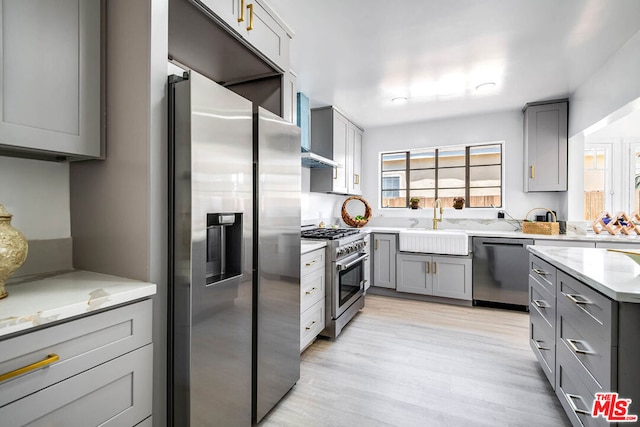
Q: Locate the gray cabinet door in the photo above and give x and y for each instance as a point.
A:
(115, 393)
(545, 147)
(384, 260)
(451, 277)
(354, 158)
(50, 80)
(415, 274)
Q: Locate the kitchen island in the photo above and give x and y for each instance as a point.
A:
(584, 317)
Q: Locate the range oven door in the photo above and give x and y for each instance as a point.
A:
(348, 283)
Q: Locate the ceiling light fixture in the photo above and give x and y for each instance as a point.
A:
(400, 100)
(485, 87)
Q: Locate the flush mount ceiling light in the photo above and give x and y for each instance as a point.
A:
(485, 87)
(399, 100)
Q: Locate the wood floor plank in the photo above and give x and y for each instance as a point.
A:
(414, 363)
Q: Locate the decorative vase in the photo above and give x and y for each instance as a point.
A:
(13, 249)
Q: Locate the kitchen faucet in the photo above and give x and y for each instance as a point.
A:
(437, 204)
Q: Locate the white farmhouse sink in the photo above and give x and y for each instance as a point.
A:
(446, 242)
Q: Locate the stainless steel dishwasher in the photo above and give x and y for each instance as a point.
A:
(501, 272)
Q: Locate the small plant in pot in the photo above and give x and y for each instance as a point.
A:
(414, 202)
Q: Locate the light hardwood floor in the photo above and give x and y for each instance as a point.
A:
(412, 363)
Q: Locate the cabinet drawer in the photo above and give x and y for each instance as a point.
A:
(116, 393)
(312, 323)
(543, 273)
(81, 344)
(586, 327)
(543, 343)
(542, 302)
(576, 389)
(312, 289)
(312, 261)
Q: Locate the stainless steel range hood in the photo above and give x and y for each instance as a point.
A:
(312, 160)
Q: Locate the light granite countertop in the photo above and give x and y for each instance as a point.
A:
(610, 273)
(63, 296)
(589, 237)
(307, 246)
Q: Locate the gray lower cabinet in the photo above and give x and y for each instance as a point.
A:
(586, 343)
(385, 247)
(442, 276)
(95, 370)
(312, 296)
(50, 101)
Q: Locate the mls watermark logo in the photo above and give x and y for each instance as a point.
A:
(612, 408)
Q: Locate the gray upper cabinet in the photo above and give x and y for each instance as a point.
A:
(50, 99)
(257, 24)
(545, 146)
(337, 138)
(384, 260)
(354, 154)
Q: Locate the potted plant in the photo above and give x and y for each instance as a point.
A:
(414, 202)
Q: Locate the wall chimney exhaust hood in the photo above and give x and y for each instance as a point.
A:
(312, 160)
(309, 159)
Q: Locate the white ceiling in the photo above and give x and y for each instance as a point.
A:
(359, 54)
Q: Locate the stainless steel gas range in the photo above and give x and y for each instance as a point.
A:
(345, 273)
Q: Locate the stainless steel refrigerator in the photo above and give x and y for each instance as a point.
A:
(234, 275)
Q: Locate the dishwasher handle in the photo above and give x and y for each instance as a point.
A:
(521, 245)
(497, 241)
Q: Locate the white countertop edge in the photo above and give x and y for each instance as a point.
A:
(64, 296)
(589, 237)
(307, 246)
(550, 254)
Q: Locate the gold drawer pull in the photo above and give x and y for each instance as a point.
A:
(311, 291)
(309, 264)
(310, 326)
(533, 172)
(51, 358)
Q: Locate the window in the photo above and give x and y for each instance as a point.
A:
(472, 172)
(596, 171)
(611, 177)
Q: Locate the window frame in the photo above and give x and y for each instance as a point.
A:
(436, 149)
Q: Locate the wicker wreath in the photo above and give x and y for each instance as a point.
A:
(356, 222)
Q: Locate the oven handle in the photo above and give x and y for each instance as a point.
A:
(342, 267)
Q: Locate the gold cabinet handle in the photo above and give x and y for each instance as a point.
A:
(51, 358)
(533, 172)
(250, 26)
(435, 267)
(241, 18)
(309, 264)
(428, 267)
(376, 248)
(335, 173)
(312, 290)
(356, 179)
(310, 326)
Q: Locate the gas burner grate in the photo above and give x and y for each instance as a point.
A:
(328, 233)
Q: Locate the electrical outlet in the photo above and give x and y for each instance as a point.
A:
(501, 214)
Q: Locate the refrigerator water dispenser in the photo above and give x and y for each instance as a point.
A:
(224, 246)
